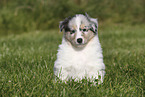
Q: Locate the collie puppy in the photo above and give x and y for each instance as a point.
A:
(79, 55)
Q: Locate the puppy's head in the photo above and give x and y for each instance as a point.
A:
(79, 29)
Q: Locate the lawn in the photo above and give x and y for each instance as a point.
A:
(26, 64)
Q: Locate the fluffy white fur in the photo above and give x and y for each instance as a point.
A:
(78, 63)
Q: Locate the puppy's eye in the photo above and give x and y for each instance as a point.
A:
(84, 30)
(73, 31)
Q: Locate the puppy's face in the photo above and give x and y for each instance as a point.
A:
(79, 30)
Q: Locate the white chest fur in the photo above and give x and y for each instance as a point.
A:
(79, 63)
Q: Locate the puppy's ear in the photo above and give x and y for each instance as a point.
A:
(64, 24)
(94, 26)
(61, 26)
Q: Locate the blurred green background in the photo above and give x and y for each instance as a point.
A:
(19, 16)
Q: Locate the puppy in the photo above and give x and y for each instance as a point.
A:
(80, 54)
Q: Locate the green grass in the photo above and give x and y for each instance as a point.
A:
(26, 64)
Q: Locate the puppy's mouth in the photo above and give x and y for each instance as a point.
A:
(80, 45)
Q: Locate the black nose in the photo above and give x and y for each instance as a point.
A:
(79, 40)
